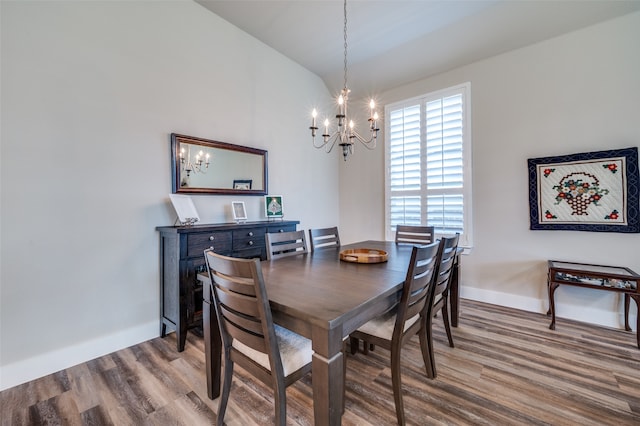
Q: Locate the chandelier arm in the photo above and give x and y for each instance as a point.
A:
(322, 143)
(369, 144)
(332, 142)
(328, 143)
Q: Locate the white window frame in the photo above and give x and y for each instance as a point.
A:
(466, 238)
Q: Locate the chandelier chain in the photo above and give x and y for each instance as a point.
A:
(345, 45)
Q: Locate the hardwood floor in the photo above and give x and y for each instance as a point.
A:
(507, 368)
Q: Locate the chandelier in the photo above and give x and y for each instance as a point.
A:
(194, 165)
(345, 135)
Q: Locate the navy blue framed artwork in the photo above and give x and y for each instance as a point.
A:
(591, 191)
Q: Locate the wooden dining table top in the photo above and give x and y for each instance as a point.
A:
(321, 289)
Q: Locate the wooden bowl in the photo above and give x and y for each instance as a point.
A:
(364, 255)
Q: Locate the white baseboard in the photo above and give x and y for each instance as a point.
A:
(44, 364)
(589, 315)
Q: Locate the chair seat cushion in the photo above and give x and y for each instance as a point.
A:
(295, 350)
(383, 326)
(437, 298)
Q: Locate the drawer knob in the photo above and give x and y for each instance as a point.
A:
(281, 230)
(250, 243)
(211, 248)
(211, 238)
(250, 234)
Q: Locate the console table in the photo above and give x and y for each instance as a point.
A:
(182, 257)
(600, 277)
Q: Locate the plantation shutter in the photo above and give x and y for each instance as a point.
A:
(444, 166)
(425, 159)
(405, 170)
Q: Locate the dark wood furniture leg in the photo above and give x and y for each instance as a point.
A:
(181, 334)
(552, 306)
(328, 380)
(636, 298)
(454, 292)
(212, 343)
(626, 312)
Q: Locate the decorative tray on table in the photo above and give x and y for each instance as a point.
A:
(364, 255)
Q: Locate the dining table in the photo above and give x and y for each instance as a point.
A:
(323, 298)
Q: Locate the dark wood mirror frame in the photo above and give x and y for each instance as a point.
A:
(219, 149)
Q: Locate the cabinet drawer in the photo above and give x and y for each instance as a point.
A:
(272, 229)
(199, 242)
(248, 238)
(251, 253)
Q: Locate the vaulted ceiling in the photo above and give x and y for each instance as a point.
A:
(394, 42)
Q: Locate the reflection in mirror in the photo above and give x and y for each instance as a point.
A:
(212, 167)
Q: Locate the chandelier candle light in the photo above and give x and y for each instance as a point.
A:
(345, 136)
(194, 166)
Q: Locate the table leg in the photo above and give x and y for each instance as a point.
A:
(548, 292)
(636, 298)
(626, 312)
(212, 343)
(327, 369)
(552, 306)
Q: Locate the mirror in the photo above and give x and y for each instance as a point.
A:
(202, 166)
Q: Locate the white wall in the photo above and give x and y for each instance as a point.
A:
(576, 93)
(90, 94)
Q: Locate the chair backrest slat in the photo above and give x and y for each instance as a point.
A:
(238, 302)
(323, 238)
(254, 341)
(281, 244)
(410, 234)
(241, 318)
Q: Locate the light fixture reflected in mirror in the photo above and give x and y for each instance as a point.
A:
(190, 165)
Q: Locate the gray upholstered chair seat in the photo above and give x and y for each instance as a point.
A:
(295, 350)
(437, 298)
(383, 326)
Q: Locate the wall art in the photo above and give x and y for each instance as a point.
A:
(273, 206)
(591, 191)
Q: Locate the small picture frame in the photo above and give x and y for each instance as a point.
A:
(273, 206)
(239, 211)
(242, 184)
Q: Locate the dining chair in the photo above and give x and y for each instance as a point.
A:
(440, 300)
(410, 234)
(395, 328)
(282, 244)
(324, 237)
(275, 355)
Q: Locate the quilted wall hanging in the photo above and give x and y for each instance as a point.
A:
(591, 191)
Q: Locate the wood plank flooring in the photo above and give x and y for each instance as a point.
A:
(507, 368)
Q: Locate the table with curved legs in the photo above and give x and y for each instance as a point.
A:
(600, 277)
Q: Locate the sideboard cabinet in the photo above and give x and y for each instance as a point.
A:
(182, 258)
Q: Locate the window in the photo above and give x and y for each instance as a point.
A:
(428, 163)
